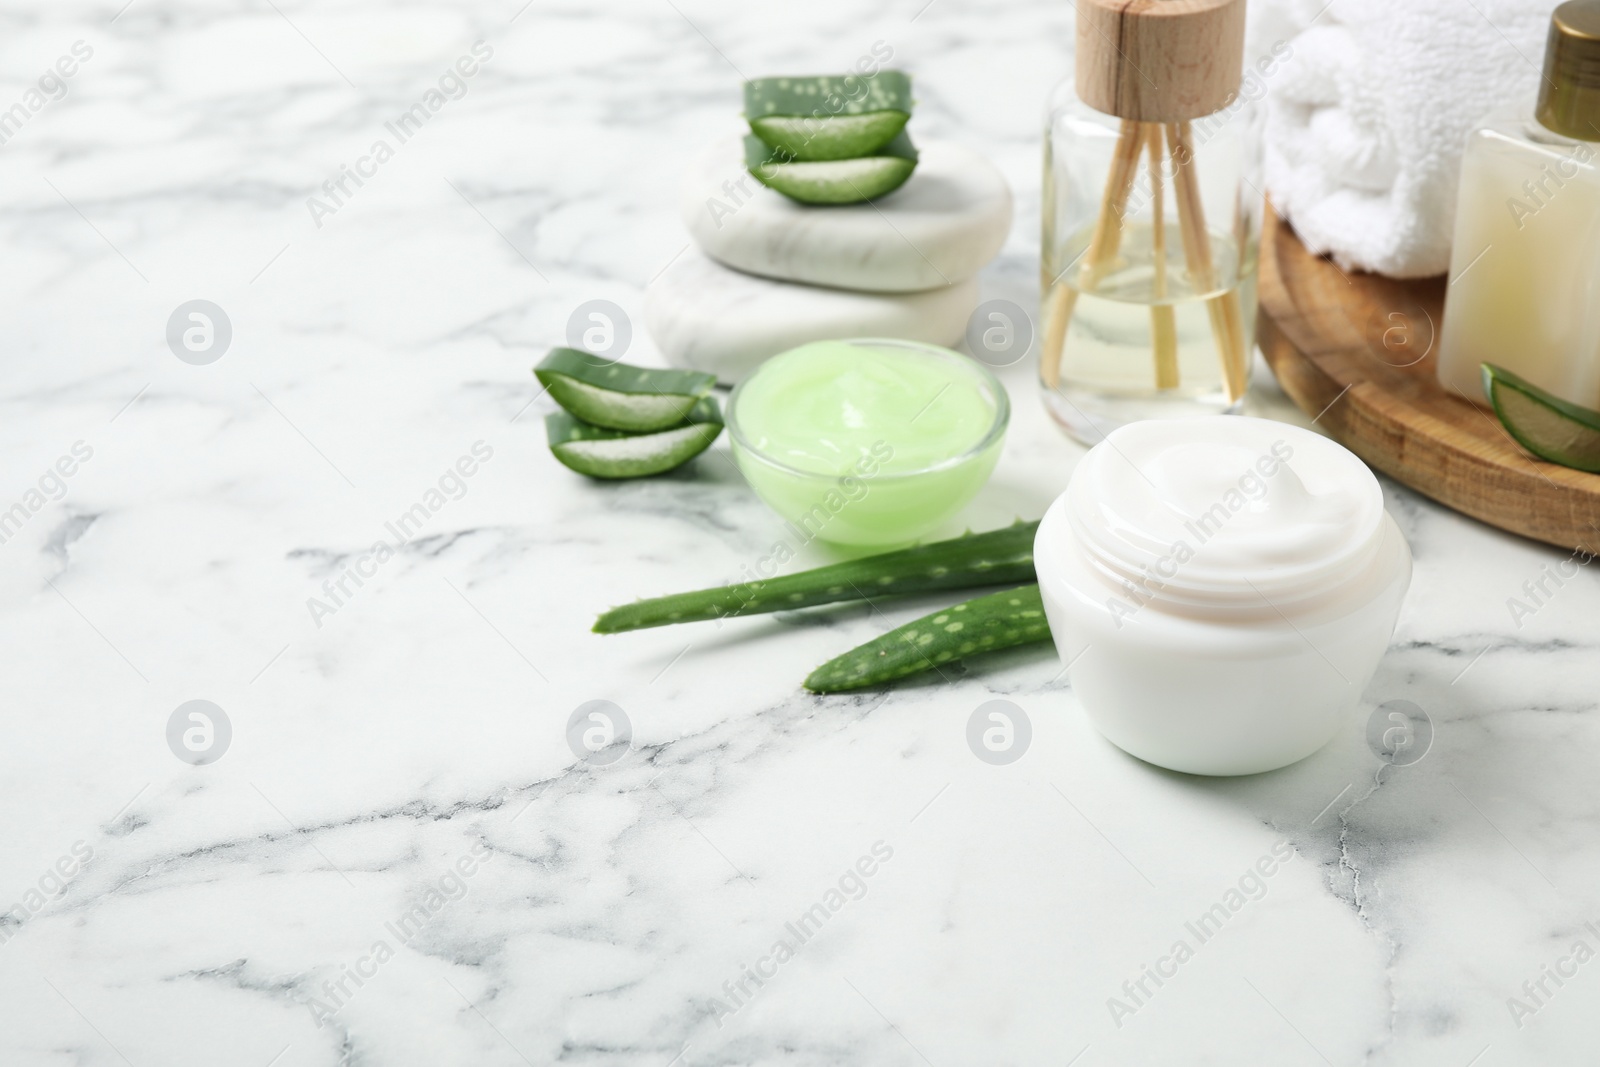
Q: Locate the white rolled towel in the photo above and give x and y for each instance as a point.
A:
(1368, 114)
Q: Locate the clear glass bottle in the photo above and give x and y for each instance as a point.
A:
(1524, 286)
(1151, 223)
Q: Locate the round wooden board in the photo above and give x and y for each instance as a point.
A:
(1356, 351)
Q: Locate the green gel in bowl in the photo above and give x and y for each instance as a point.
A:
(868, 442)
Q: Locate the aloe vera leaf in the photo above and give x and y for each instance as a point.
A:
(600, 452)
(828, 94)
(993, 558)
(840, 181)
(1551, 428)
(989, 623)
(618, 396)
(803, 139)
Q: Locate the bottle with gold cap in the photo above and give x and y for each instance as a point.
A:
(1151, 217)
(1524, 286)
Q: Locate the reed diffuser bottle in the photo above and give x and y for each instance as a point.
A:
(1151, 218)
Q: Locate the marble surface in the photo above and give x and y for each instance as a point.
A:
(941, 227)
(708, 317)
(390, 737)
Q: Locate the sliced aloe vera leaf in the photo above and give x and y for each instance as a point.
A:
(1551, 428)
(828, 94)
(808, 139)
(604, 453)
(841, 181)
(618, 396)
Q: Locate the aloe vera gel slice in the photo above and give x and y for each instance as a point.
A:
(830, 117)
(616, 396)
(1551, 428)
(807, 139)
(605, 453)
(843, 181)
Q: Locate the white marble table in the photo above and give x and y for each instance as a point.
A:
(413, 727)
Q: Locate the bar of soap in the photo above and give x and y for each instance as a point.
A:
(706, 317)
(939, 228)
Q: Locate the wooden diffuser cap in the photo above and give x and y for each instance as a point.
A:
(1159, 60)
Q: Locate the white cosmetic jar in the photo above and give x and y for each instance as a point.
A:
(1221, 589)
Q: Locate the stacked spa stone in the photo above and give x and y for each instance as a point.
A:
(771, 272)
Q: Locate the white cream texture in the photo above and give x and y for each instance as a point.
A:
(1224, 508)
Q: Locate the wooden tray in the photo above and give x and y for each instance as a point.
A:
(1357, 352)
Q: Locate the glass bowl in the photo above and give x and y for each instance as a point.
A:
(903, 486)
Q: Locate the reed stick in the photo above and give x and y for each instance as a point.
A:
(1227, 320)
(1103, 246)
(1163, 320)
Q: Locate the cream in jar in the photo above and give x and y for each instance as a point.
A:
(1221, 589)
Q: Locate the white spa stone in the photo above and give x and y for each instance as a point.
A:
(706, 317)
(948, 220)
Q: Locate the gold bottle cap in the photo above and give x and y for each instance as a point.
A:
(1569, 91)
(1160, 60)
